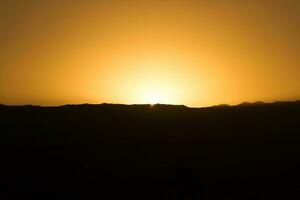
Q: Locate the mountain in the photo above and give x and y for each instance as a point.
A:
(113, 151)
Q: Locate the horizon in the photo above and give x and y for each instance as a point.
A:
(156, 104)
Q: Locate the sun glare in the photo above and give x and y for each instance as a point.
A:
(153, 97)
(155, 80)
(157, 95)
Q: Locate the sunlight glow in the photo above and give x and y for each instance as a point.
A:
(155, 97)
(158, 94)
(151, 79)
(196, 53)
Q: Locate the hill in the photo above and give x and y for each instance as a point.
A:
(107, 151)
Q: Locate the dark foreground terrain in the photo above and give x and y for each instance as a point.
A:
(250, 151)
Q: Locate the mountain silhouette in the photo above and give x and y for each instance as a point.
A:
(113, 151)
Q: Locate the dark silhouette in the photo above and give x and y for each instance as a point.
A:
(249, 151)
(187, 186)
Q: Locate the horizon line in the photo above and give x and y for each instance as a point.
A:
(156, 104)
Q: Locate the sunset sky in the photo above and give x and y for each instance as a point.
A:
(197, 53)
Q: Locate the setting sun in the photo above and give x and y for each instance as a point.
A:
(165, 82)
(153, 97)
(157, 95)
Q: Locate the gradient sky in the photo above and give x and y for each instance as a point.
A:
(196, 53)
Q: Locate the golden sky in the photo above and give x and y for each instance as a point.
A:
(196, 53)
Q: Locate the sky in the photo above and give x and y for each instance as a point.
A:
(197, 53)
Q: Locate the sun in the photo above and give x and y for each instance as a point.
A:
(157, 95)
(153, 97)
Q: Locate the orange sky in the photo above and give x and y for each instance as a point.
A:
(196, 53)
